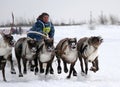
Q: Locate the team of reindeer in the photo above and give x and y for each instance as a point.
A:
(37, 53)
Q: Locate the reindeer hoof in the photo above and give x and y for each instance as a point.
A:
(20, 75)
(65, 70)
(41, 70)
(13, 72)
(51, 72)
(59, 70)
(93, 69)
(25, 72)
(36, 70)
(32, 69)
(5, 80)
(74, 73)
(83, 74)
(68, 77)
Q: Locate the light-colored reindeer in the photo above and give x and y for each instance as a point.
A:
(6, 43)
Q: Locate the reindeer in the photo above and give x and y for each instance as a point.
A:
(46, 54)
(88, 51)
(6, 43)
(66, 50)
(25, 49)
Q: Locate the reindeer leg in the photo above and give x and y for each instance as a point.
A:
(65, 67)
(71, 69)
(51, 69)
(47, 68)
(81, 64)
(59, 66)
(3, 72)
(36, 65)
(86, 65)
(24, 66)
(31, 65)
(97, 64)
(95, 67)
(74, 72)
(41, 67)
(12, 66)
(19, 67)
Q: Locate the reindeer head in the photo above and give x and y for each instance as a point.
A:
(49, 44)
(32, 44)
(72, 43)
(95, 41)
(8, 38)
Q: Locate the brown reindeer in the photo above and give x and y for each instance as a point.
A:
(25, 49)
(46, 54)
(88, 51)
(6, 43)
(66, 50)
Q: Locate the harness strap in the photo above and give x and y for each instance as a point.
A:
(84, 47)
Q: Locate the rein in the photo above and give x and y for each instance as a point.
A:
(46, 36)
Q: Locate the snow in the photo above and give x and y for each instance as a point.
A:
(109, 64)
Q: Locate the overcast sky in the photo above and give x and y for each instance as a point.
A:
(59, 10)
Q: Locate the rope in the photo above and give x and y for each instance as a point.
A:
(38, 33)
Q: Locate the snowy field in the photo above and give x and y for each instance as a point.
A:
(109, 62)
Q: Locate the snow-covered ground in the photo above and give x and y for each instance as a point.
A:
(109, 62)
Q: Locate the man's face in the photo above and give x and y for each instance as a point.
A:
(46, 18)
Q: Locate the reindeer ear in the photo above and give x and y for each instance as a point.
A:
(28, 40)
(91, 37)
(90, 40)
(75, 40)
(99, 37)
(68, 39)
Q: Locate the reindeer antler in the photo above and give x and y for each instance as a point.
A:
(2, 32)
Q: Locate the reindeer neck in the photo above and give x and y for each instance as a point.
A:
(3, 43)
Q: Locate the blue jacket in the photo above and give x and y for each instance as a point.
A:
(38, 27)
